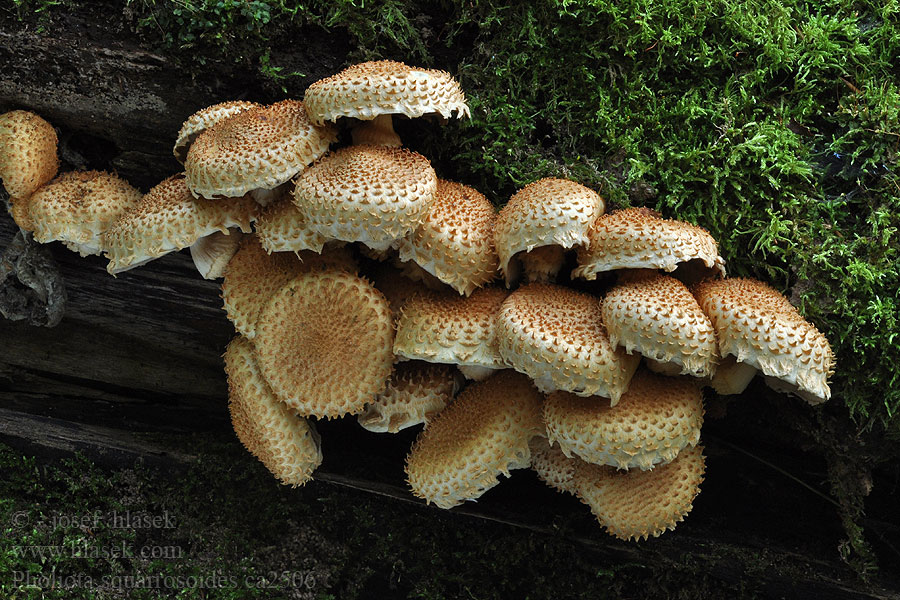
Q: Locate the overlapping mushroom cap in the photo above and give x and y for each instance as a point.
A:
(482, 434)
(552, 466)
(27, 153)
(202, 120)
(760, 327)
(281, 227)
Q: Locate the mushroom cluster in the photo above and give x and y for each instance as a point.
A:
(361, 283)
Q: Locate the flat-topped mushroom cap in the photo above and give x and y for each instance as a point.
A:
(547, 212)
(552, 466)
(657, 316)
(369, 89)
(287, 445)
(77, 207)
(455, 241)
(369, 194)
(654, 420)
(757, 325)
(324, 343)
(638, 504)
(556, 336)
(281, 227)
(203, 119)
(637, 238)
(259, 148)
(169, 218)
(416, 392)
(448, 328)
(482, 434)
(27, 153)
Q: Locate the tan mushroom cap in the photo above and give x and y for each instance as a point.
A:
(447, 328)
(637, 238)
(416, 393)
(455, 240)
(324, 343)
(281, 227)
(78, 207)
(169, 218)
(552, 466)
(548, 212)
(482, 434)
(259, 148)
(556, 336)
(27, 153)
(639, 504)
(657, 316)
(286, 444)
(369, 194)
(655, 419)
(202, 120)
(759, 326)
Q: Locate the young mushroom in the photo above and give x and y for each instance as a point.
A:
(28, 160)
(202, 120)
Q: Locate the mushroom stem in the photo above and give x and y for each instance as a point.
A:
(732, 377)
(669, 368)
(377, 132)
(476, 372)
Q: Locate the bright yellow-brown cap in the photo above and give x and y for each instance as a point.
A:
(27, 153)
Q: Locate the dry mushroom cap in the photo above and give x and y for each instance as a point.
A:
(324, 343)
(286, 444)
(369, 194)
(556, 336)
(548, 212)
(760, 327)
(27, 153)
(202, 120)
(657, 316)
(415, 394)
(169, 218)
(552, 466)
(257, 149)
(639, 504)
(78, 207)
(281, 227)
(655, 419)
(455, 241)
(639, 238)
(482, 434)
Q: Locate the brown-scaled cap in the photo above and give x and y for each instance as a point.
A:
(202, 120)
(27, 153)
(281, 227)
(552, 466)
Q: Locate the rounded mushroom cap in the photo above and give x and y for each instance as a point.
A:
(324, 343)
(202, 120)
(369, 194)
(544, 213)
(27, 153)
(657, 315)
(259, 148)
(369, 89)
(78, 207)
(281, 227)
(287, 445)
(637, 238)
(552, 466)
(455, 241)
(482, 434)
(639, 504)
(556, 336)
(759, 326)
(655, 419)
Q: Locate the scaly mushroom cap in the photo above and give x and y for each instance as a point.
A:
(552, 466)
(259, 148)
(654, 420)
(759, 326)
(556, 336)
(77, 207)
(657, 315)
(447, 328)
(324, 343)
(455, 241)
(286, 444)
(639, 504)
(369, 89)
(27, 153)
(416, 393)
(369, 194)
(281, 227)
(169, 218)
(637, 238)
(547, 212)
(482, 434)
(202, 120)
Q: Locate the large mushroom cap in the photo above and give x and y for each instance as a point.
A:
(455, 241)
(202, 120)
(760, 327)
(27, 153)
(324, 343)
(556, 336)
(287, 445)
(552, 466)
(482, 434)
(281, 227)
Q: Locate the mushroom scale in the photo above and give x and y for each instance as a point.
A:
(281, 227)
(202, 120)
(552, 466)
(28, 147)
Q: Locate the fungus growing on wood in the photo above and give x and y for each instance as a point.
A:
(202, 120)
(27, 153)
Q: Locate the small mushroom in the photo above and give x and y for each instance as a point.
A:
(202, 120)
(552, 466)
(281, 227)
(28, 158)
